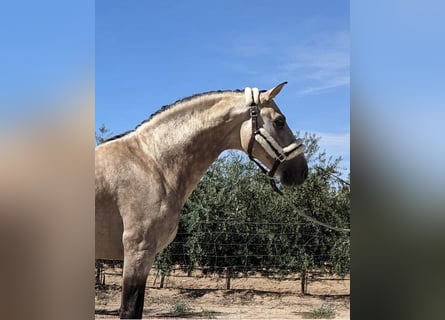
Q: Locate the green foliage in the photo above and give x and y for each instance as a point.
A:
(233, 223)
(179, 309)
(324, 312)
(102, 135)
(340, 255)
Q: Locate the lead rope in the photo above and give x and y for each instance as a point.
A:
(313, 220)
(296, 210)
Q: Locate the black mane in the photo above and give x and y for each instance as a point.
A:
(167, 107)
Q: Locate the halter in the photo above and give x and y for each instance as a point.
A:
(267, 142)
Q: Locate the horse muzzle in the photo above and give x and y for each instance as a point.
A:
(294, 172)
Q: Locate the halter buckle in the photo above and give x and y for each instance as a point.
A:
(281, 157)
(254, 111)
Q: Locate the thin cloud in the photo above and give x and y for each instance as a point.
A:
(341, 140)
(320, 65)
(317, 64)
(335, 144)
(329, 85)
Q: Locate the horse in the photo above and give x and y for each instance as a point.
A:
(144, 176)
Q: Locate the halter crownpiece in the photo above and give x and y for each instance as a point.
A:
(252, 96)
(266, 141)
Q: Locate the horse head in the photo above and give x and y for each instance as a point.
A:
(267, 137)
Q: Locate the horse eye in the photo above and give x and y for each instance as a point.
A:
(279, 122)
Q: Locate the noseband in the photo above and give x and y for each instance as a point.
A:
(267, 142)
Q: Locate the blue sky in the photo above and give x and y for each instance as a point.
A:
(152, 53)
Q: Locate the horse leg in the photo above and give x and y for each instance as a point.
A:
(137, 264)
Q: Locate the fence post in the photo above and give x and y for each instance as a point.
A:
(161, 284)
(303, 282)
(100, 275)
(228, 278)
(156, 277)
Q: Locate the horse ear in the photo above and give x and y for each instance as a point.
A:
(272, 93)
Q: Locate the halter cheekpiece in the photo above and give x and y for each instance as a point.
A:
(267, 142)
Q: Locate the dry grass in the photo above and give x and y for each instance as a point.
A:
(250, 298)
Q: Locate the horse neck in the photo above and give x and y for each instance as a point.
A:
(187, 138)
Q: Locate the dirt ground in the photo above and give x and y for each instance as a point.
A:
(249, 298)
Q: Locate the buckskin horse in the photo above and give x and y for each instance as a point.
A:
(144, 176)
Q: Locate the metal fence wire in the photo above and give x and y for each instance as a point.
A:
(277, 250)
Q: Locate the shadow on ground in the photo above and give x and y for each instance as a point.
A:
(107, 312)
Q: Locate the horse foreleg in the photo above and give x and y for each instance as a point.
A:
(137, 265)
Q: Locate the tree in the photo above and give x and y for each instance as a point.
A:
(102, 135)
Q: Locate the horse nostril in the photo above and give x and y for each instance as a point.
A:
(305, 173)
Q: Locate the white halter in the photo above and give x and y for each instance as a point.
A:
(252, 96)
(269, 144)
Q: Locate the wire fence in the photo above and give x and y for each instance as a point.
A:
(228, 250)
(177, 279)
